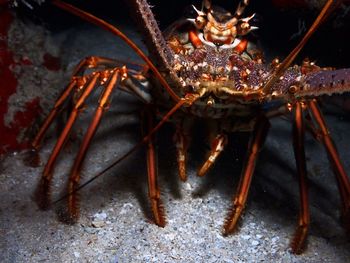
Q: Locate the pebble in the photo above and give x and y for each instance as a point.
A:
(126, 208)
(100, 216)
(188, 186)
(98, 223)
(274, 239)
(245, 237)
(90, 230)
(99, 220)
(76, 254)
(255, 243)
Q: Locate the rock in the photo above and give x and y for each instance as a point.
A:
(98, 224)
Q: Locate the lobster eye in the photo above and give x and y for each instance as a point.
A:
(200, 22)
(245, 25)
(244, 28)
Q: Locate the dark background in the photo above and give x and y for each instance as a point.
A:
(278, 34)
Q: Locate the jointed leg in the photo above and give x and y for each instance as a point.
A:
(53, 113)
(43, 190)
(152, 171)
(77, 82)
(299, 152)
(256, 142)
(73, 208)
(338, 168)
(217, 146)
(182, 139)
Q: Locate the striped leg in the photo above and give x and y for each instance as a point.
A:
(182, 139)
(76, 83)
(74, 178)
(217, 146)
(338, 168)
(43, 190)
(256, 142)
(152, 171)
(298, 242)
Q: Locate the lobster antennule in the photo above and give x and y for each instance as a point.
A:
(325, 82)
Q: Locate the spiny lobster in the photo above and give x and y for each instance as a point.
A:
(203, 67)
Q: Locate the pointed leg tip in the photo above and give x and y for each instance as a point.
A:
(297, 249)
(345, 218)
(228, 229)
(203, 170)
(71, 214)
(43, 204)
(226, 232)
(71, 220)
(182, 174)
(161, 222)
(200, 173)
(298, 243)
(67, 217)
(42, 195)
(158, 213)
(32, 158)
(231, 221)
(183, 178)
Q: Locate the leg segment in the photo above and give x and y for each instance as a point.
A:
(300, 235)
(217, 146)
(77, 82)
(153, 188)
(182, 139)
(256, 142)
(53, 113)
(338, 168)
(73, 208)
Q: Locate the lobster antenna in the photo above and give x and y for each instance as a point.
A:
(241, 7)
(206, 5)
(188, 100)
(291, 57)
(114, 30)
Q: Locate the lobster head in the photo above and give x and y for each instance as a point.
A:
(219, 27)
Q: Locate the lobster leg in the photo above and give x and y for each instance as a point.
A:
(53, 113)
(74, 178)
(76, 83)
(182, 140)
(300, 235)
(217, 146)
(256, 142)
(338, 168)
(153, 188)
(43, 190)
